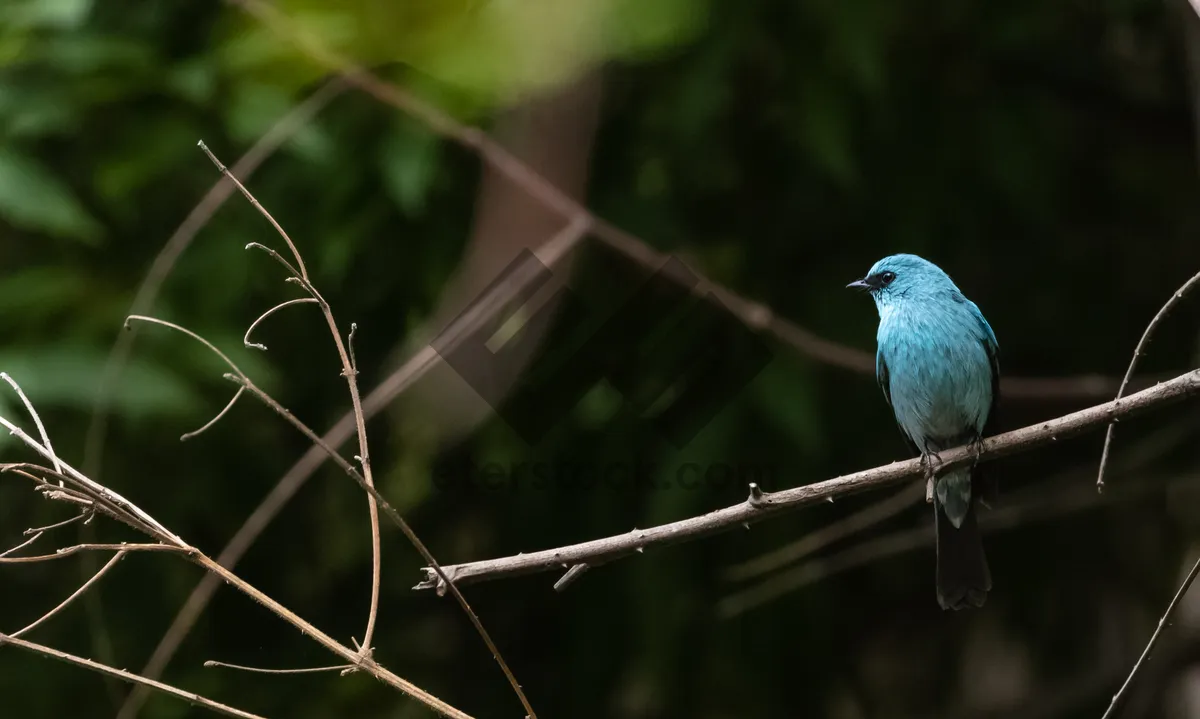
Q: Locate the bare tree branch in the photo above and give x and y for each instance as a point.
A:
(771, 504)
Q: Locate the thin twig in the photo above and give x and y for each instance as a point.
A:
(22, 545)
(106, 670)
(255, 345)
(246, 193)
(86, 515)
(232, 401)
(274, 255)
(74, 595)
(96, 547)
(1162, 622)
(1137, 353)
(36, 420)
(771, 504)
(260, 670)
(180, 328)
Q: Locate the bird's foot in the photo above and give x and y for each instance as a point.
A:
(976, 447)
(928, 459)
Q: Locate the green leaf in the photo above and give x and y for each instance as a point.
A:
(34, 199)
(409, 162)
(58, 14)
(67, 376)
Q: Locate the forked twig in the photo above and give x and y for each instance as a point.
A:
(350, 371)
(74, 595)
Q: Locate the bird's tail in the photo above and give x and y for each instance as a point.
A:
(963, 578)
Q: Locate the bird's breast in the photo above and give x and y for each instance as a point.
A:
(939, 375)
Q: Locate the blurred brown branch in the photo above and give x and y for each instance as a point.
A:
(761, 505)
(501, 160)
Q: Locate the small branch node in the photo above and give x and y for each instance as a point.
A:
(758, 498)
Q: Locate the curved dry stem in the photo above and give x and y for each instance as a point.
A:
(106, 670)
(74, 595)
(232, 401)
(1137, 354)
(189, 333)
(255, 345)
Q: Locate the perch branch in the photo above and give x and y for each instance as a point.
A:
(774, 503)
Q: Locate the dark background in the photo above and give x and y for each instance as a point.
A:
(1043, 153)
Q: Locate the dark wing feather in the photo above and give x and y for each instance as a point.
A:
(992, 348)
(884, 378)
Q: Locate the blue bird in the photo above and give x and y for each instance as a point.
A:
(937, 363)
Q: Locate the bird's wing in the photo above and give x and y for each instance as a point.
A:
(992, 348)
(884, 377)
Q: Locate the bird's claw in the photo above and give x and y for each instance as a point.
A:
(928, 459)
(976, 447)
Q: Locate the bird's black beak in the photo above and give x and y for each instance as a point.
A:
(859, 285)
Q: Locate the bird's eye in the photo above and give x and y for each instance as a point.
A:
(886, 278)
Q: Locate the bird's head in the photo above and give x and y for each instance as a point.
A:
(899, 278)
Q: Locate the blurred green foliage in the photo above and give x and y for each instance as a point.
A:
(1043, 153)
